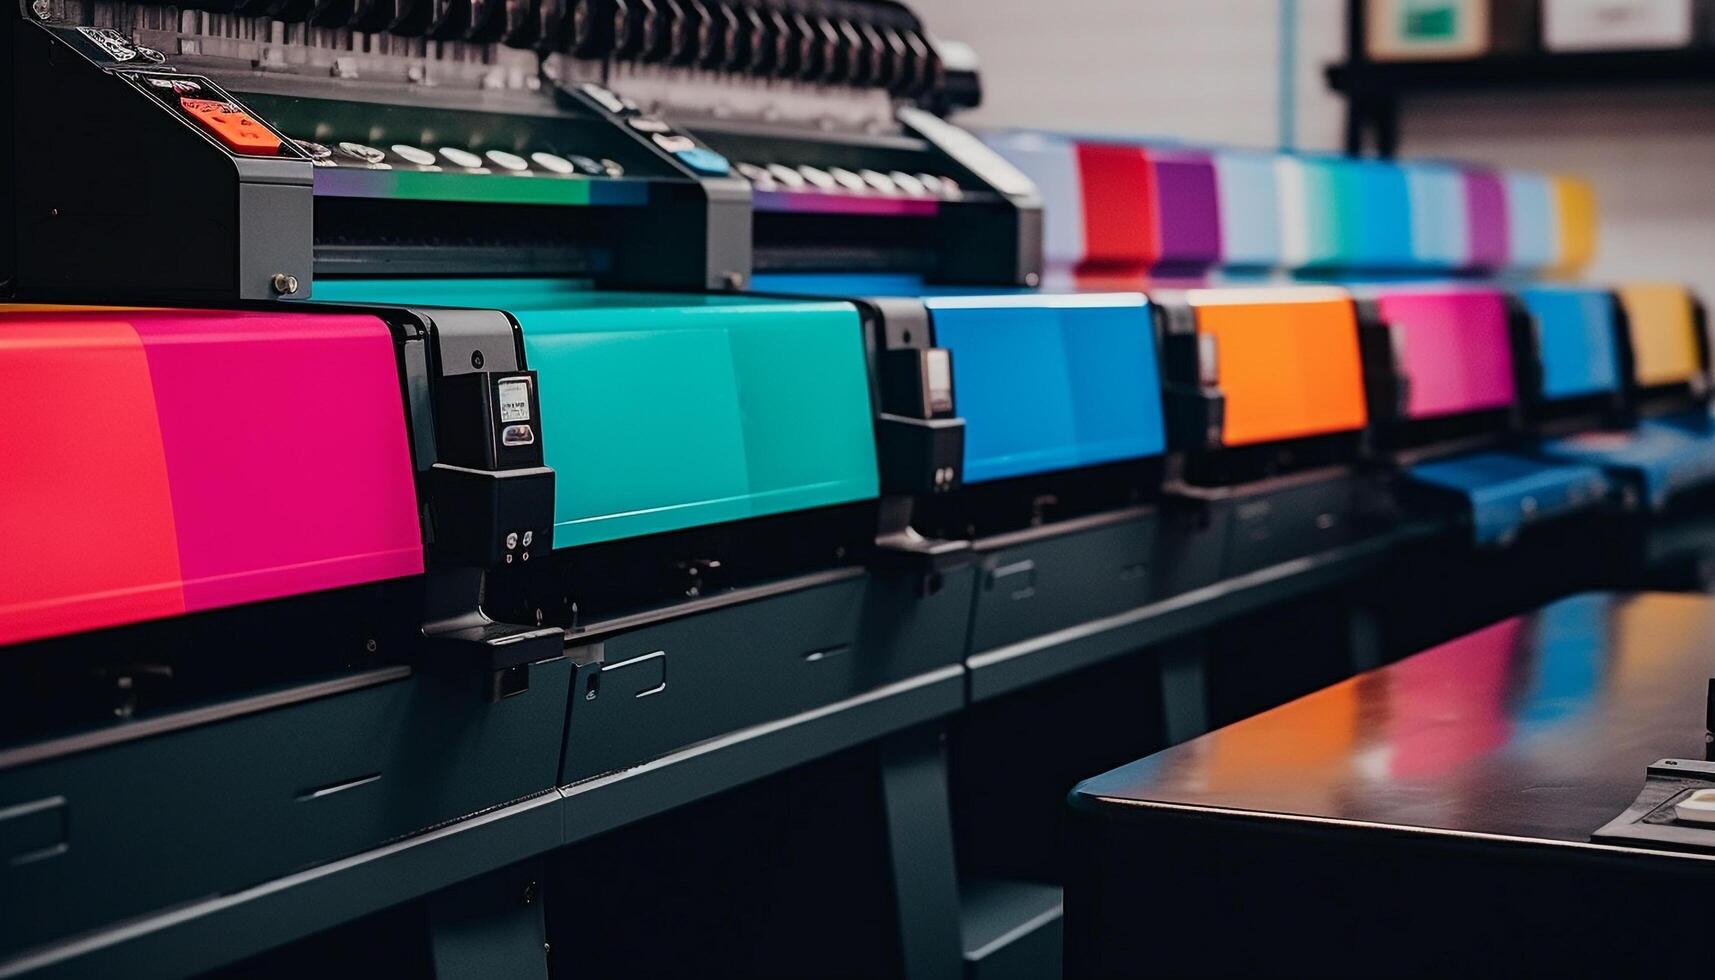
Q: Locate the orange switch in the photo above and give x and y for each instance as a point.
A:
(233, 126)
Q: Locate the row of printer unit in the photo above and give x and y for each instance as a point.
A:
(382, 497)
(699, 514)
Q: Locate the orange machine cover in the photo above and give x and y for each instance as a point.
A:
(1288, 362)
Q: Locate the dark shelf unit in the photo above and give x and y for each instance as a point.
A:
(1375, 90)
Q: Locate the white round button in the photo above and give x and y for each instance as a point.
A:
(556, 164)
(413, 154)
(461, 158)
(507, 161)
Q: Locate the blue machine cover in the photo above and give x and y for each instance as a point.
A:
(1698, 421)
(1505, 491)
(1576, 335)
(1044, 381)
(1657, 459)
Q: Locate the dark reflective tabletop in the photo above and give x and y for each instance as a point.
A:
(1539, 726)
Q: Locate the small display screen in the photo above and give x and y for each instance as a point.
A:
(940, 376)
(515, 401)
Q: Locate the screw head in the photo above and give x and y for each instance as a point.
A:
(284, 283)
(476, 359)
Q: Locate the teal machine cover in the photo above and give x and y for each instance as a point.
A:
(662, 412)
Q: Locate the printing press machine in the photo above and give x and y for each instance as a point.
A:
(1063, 432)
(1444, 390)
(1595, 365)
(640, 444)
(1498, 228)
(1621, 383)
(739, 572)
(367, 700)
(1104, 517)
(1231, 220)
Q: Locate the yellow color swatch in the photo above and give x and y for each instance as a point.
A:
(1575, 204)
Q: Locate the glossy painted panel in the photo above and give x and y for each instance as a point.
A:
(1505, 491)
(1052, 384)
(1288, 368)
(1659, 459)
(286, 444)
(1453, 347)
(1576, 340)
(86, 507)
(1044, 380)
(667, 411)
(1662, 324)
(219, 458)
(1537, 726)
(779, 393)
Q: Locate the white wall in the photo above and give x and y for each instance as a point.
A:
(1209, 71)
(1193, 69)
(1651, 156)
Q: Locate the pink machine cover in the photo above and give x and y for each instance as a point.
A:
(1453, 347)
(162, 462)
